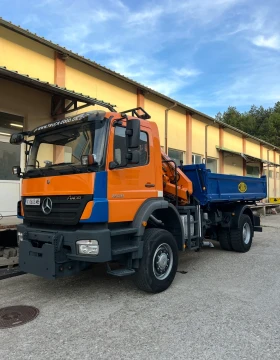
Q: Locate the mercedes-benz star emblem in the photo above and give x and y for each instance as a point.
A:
(47, 206)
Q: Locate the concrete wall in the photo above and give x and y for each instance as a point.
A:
(233, 164)
(90, 81)
(198, 137)
(233, 141)
(26, 56)
(253, 148)
(33, 105)
(177, 129)
(157, 112)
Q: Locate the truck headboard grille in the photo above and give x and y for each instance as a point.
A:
(65, 209)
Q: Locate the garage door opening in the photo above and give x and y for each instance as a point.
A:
(9, 156)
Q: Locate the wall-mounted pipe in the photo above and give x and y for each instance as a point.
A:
(206, 143)
(166, 128)
(268, 173)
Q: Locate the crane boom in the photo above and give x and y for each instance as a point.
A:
(173, 177)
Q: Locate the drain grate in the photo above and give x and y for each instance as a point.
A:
(12, 316)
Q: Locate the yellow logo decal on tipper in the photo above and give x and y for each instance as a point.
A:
(242, 187)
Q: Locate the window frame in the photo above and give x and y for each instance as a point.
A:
(253, 167)
(201, 157)
(182, 151)
(214, 159)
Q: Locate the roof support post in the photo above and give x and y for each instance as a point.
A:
(59, 79)
(166, 127)
(244, 152)
(206, 143)
(140, 98)
(221, 145)
(189, 137)
(59, 69)
(58, 101)
(261, 157)
(274, 160)
(268, 182)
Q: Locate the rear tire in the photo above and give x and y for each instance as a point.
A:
(224, 239)
(241, 238)
(159, 263)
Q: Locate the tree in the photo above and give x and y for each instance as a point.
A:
(231, 116)
(258, 121)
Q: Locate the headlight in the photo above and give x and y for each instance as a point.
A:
(19, 237)
(88, 247)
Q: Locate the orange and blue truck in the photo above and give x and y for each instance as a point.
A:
(97, 188)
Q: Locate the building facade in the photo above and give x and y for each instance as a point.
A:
(29, 65)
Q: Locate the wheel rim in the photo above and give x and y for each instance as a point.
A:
(162, 261)
(246, 233)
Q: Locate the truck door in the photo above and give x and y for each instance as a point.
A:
(129, 185)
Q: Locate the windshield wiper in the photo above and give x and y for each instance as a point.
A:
(39, 170)
(77, 170)
(62, 163)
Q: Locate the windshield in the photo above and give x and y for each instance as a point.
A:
(65, 146)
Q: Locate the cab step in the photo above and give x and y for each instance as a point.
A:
(121, 272)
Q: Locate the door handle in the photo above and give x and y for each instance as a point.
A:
(149, 185)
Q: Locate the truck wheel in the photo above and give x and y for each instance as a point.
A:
(241, 238)
(224, 239)
(159, 263)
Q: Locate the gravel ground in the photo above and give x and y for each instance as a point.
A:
(225, 307)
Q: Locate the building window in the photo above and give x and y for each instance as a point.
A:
(120, 148)
(212, 165)
(9, 156)
(253, 170)
(176, 155)
(271, 174)
(196, 159)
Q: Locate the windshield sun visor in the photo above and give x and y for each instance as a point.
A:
(85, 117)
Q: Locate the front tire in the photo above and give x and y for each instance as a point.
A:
(241, 238)
(159, 263)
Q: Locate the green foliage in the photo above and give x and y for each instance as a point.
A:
(258, 121)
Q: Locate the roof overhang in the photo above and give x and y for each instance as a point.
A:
(64, 101)
(246, 157)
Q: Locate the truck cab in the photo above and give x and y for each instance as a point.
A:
(97, 189)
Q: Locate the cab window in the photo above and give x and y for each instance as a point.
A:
(120, 148)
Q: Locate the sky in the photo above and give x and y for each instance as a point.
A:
(207, 54)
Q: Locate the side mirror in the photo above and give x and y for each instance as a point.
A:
(132, 133)
(16, 170)
(17, 139)
(113, 165)
(132, 141)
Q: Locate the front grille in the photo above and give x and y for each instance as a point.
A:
(65, 210)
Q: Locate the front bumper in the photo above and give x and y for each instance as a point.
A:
(52, 254)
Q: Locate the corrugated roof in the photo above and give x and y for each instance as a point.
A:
(51, 88)
(57, 47)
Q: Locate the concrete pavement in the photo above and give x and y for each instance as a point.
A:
(227, 306)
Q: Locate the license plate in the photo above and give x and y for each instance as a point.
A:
(32, 201)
